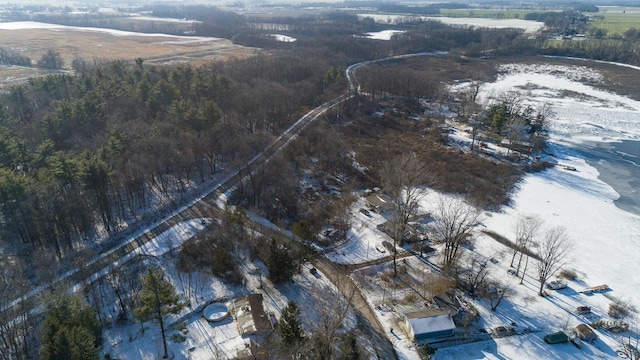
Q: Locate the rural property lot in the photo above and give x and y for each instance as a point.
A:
(30, 39)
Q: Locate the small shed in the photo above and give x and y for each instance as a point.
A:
(585, 332)
(427, 324)
(556, 338)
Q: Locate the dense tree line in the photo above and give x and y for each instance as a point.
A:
(84, 153)
(11, 58)
(615, 50)
(566, 22)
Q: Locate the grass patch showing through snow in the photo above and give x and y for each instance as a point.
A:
(504, 241)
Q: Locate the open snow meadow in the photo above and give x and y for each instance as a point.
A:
(527, 25)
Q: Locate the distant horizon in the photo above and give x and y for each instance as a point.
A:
(500, 3)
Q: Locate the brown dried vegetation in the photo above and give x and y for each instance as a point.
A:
(378, 139)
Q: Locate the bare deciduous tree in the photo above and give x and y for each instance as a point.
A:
(540, 121)
(329, 311)
(403, 179)
(512, 102)
(527, 229)
(495, 293)
(468, 99)
(454, 223)
(554, 251)
(515, 135)
(474, 273)
(630, 342)
(18, 335)
(342, 216)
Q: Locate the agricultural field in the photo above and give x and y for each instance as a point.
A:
(34, 39)
(484, 13)
(615, 20)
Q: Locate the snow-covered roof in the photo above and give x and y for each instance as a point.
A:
(250, 315)
(429, 321)
(380, 201)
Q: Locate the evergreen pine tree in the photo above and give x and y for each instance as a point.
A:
(79, 342)
(289, 327)
(279, 263)
(349, 349)
(70, 331)
(157, 299)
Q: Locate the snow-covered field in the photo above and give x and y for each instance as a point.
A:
(27, 25)
(383, 35)
(527, 25)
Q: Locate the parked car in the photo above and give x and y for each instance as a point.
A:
(388, 245)
(556, 285)
(583, 310)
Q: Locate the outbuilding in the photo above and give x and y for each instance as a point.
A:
(585, 332)
(556, 338)
(427, 324)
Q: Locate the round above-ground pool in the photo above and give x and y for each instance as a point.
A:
(215, 312)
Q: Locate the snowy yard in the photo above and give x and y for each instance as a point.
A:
(204, 339)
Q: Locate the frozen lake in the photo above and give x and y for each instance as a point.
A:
(619, 166)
